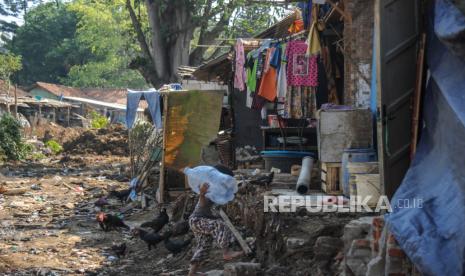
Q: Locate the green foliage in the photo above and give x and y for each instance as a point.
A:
(47, 44)
(104, 29)
(10, 138)
(9, 64)
(37, 156)
(76, 43)
(98, 121)
(54, 146)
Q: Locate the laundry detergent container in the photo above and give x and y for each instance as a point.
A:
(284, 160)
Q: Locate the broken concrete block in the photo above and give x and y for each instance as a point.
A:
(214, 273)
(242, 269)
(295, 243)
(326, 248)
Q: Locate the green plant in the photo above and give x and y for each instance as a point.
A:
(98, 121)
(54, 146)
(10, 138)
(37, 156)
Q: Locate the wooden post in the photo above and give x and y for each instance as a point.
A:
(16, 103)
(236, 234)
(161, 186)
(417, 96)
(68, 115)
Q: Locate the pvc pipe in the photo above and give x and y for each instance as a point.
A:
(305, 177)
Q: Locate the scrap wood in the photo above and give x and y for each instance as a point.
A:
(236, 233)
(18, 191)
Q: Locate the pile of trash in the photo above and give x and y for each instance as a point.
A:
(106, 141)
(247, 154)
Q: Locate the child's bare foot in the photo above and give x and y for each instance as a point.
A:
(229, 255)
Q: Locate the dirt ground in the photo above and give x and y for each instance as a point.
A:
(50, 229)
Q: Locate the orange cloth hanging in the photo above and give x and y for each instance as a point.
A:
(268, 84)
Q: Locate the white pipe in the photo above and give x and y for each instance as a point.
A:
(305, 177)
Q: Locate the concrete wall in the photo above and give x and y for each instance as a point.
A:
(358, 38)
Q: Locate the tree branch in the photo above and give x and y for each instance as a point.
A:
(140, 34)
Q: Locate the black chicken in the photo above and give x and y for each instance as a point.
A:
(175, 246)
(108, 222)
(180, 228)
(152, 239)
(157, 224)
(119, 249)
(121, 195)
(264, 180)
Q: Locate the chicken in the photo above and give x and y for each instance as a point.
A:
(180, 228)
(108, 222)
(152, 239)
(101, 202)
(121, 195)
(119, 249)
(157, 224)
(264, 180)
(175, 246)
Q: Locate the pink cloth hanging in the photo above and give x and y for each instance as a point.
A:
(302, 70)
(240, 75)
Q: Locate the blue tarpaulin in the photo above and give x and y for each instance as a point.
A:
(433, 234)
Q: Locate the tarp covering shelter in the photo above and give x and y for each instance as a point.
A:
(432, 233)
(192, 122)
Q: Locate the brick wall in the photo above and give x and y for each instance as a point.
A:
(358, 38)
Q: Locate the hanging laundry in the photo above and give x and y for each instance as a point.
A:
(296, 27)
(282, 75)
(154, 102)
(269, 79)
(249, 99)
(302, 70)
(252, 65)
(240, 75)
(313, 41)
(306, 9)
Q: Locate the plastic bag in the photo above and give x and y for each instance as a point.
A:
(222, 186)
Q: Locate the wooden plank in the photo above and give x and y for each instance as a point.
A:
(161, 186)
(330, 178)
(417, 97)
(236, 234)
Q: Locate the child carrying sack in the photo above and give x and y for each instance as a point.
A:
(222, 186)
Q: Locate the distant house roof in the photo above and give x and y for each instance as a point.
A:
(114, 96)
(59, 90)
(99, 103)
(4, 90)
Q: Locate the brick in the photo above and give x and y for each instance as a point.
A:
(378, 222)
(396, 252)
(391, 239)
(362, 243)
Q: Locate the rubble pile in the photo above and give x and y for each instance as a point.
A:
(106, 141)
(56, 132)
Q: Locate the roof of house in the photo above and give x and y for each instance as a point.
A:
(100, 103)
(109, 97)
(59, 90)
(4, 90)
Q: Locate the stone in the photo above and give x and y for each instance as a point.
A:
(69, 205)
(295, 243)
(214, 273)
(242, 269)
(326, 247)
